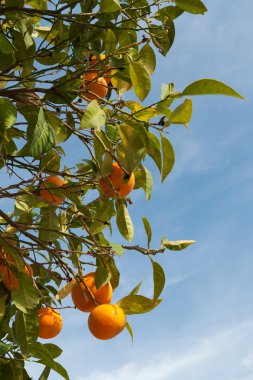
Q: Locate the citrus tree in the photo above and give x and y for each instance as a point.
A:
(67, 71)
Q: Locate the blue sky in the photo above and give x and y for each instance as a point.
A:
(203, 329)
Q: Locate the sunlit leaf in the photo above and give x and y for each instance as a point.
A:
(158, 278)
(176, 245)
(124, 221)
(210, 87)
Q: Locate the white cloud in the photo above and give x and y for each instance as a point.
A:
(202, 361)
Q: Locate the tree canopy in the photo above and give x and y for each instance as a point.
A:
(67, 71)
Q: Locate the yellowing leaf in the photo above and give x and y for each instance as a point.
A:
(177, 245)
(65, 290)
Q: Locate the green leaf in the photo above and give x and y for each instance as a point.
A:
(94, 117)
(12, 369)
(49, 221)
(8, 115)
(135, 289)
(158, 278)
(104, 212)
(4, 348)
(192, 6)
(118, 249)
(51, 161)
(148, 229)
(210, 87)
(154, 150)
(102, 276)
(168, 157)
(26, 296)
(134, 141)
(182, 114)
(123, 220)
(176, 245)
(135, 304)
(65, 90)
(172, 11)
(45, 355)
(108, 6)
(110, 41)
(5, 46)
(45, 373)
(148, 181)
(42, 140)
(61, 132)
(163, 37)
(108, 262)
(129, 329)
(26, 331)
(140, 79)
(147, 58)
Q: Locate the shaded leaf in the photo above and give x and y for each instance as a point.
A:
(46, 357)
(130, 331)
(136, 304)
(168, 157)
(102, 276)
(158, 278)
(45, 373)
(154, 150)
(148, 229)
(26, 331)
(134, 144)
(8, 115)
(52, 227)
(135, 289)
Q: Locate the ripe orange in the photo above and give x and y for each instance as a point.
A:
(115, 185)
(50, 322)
(4, 257)
(106, 321)
(81, 297)
(93, 60)
(94, 87)
(49, 195)
(9, 278)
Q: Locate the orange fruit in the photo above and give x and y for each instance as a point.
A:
(94, 59)
(49, 195)
(50, 322)
(4, 257)
(94, 87)
(82, 298)
(106, 321)
(115, 185)
(9, 277)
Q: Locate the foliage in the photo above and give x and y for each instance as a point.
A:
(44, 57)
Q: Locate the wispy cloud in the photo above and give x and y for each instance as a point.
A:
(204, 359)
